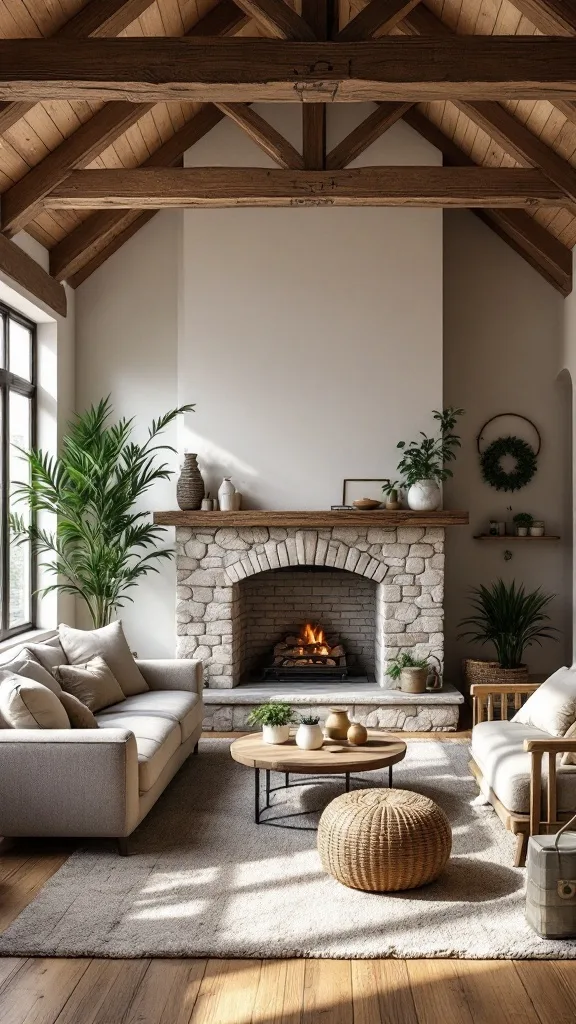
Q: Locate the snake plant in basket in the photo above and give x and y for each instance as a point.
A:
(100, 546)
(510, 619)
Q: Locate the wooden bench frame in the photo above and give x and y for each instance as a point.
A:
(536, 821)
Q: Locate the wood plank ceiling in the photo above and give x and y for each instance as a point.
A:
(40, 143)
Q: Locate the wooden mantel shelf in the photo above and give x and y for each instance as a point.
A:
(320, 520)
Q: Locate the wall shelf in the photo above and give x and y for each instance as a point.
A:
(512, 536)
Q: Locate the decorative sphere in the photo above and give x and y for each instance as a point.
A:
(357, 734)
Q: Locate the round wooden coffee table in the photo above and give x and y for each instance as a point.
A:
(381, 750)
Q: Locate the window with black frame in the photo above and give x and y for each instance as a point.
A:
(17, 430)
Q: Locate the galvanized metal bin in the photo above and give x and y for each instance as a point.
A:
(551, 884)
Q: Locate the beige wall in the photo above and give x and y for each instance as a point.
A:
(503, 338)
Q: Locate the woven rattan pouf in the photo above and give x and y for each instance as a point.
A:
(383, 840)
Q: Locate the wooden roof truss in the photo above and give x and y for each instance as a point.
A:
(98, 108)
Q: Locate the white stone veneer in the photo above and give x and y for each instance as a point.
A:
(407, 563)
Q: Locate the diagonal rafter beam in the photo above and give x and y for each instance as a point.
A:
(370, 129)
(512, 135)
(526, 236)
(552, 17)
(378, 14)
(250, 70)
(263, 134)
(278, 18)
(21, 268)
(21, 202)
(97, 18)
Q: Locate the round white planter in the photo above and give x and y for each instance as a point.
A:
(275, 733)
(536, 531)
(521, 531)
(309, 737)
(425, 496)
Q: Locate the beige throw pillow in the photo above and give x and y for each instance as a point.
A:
(93, 683)
(80, 645)
(552, 707)
(48, 655)
(25, 664)
(25, 704)
(80, 716)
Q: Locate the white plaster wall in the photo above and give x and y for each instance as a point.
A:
(127, 316)
(311, 338)
(503, 352)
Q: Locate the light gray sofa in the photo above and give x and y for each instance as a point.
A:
(102, 782)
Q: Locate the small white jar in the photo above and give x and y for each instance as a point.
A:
(309, 737)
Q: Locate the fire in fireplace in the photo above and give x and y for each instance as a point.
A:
(311, 653)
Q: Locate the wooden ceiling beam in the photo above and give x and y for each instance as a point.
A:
(517, 140)
(28, 274)
(318, 14)
(518, 229)
(159, 188)
(21, 202)
(278, 18)
(263, 134)
(370, 129)
(97, 18)
(132, 221)
(101, 230)
(552, 17)
(248, 70)
(378, 14)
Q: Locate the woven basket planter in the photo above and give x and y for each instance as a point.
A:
(491, 672)
(384, 840)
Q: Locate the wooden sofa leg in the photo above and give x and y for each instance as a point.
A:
(521, 847)
(196, 747)
(122, 844)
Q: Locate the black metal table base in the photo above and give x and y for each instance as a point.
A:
(306, 781)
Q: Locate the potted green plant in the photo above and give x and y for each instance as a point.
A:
(423, 463)
(101, 545)
(523, 521)
(309, 735)
(411, 671)
(391, 488)
(510, 619)
(275, 718)
(537, 528)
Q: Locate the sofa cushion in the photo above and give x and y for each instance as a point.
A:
(93, 683)
(50, 654)
(25, 704)
(79, 715)
(552, 707)
(157, 739)
(110, 643)
(24, 663)
(178, 705)
(498, 750)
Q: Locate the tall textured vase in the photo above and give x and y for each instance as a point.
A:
(190, 486)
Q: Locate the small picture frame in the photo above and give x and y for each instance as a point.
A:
(355, 488)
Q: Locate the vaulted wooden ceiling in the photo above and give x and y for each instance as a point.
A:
(45, 146)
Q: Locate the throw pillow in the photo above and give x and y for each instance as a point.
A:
(552, 707)
(25, 664)
(93, 683)
(49, 656)
(80, 716)
(25, 704)
(109, 642)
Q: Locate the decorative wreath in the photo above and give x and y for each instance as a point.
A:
(523, 472)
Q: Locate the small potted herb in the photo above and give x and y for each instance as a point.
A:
(275, 718)
(537, 528)
(391, 489)
(412, 672)
(309, 734)
(523, 522)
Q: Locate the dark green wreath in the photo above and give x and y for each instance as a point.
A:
(492, 471)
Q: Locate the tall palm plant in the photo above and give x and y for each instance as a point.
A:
(100, 547)
(510, 619)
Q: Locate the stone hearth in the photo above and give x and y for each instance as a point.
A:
(405, 563)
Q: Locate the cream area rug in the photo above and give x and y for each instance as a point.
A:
(204, 880)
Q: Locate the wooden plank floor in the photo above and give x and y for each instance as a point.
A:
(86, 991)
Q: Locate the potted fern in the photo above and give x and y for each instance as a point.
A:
(510, 619)
(274, 717)
(424, 463)
(101, 546)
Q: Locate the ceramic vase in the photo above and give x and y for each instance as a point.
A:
(226, 493)
(275, 733)
(424, 496)
(337, 724)
(357, 734)
(190, 486)
(309, 737)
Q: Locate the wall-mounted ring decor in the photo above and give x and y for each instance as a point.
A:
(506, 415)
(524, 469)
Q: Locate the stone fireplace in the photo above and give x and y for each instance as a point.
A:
(241, 587)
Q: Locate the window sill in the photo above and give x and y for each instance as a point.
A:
(31, 636)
